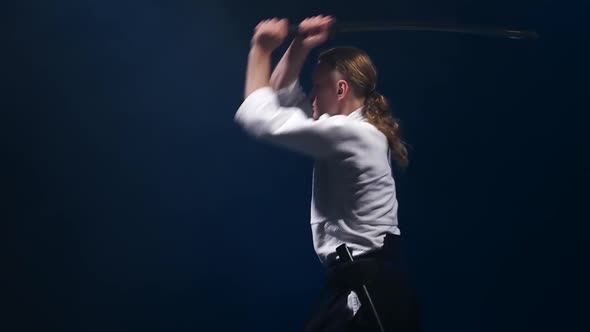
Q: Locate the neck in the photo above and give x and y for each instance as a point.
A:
(351, 106)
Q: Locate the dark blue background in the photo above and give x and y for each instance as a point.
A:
(134, 203)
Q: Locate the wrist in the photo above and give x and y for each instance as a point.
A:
(259, 51)
(299, 41)
(299, 46)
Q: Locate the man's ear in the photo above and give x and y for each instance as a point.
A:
(342, 89)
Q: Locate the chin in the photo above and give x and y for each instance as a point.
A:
(315, 114)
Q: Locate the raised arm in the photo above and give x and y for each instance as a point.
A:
(268, 35)
(313, 32)
(262, 115)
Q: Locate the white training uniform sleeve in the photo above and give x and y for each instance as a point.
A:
(293, 96)
(262, 116)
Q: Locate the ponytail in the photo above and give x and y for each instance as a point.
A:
(361, 74)
(377, 112)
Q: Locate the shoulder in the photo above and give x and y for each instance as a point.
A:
(352, 130)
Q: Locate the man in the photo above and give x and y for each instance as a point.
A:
(346, 127)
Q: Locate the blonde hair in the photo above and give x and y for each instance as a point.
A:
(361, 74)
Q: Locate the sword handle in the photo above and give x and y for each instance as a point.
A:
(294, 29)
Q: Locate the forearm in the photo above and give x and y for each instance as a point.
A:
(290, 65)
(258, 70)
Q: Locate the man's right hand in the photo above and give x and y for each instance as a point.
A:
(269, 34)
(315, 30)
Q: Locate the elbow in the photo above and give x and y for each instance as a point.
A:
(244, 122)
(252, 125)
(257, 117)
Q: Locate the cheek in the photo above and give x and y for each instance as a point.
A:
(325, 97)
(326, 100)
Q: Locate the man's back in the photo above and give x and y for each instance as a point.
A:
(354, 197)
